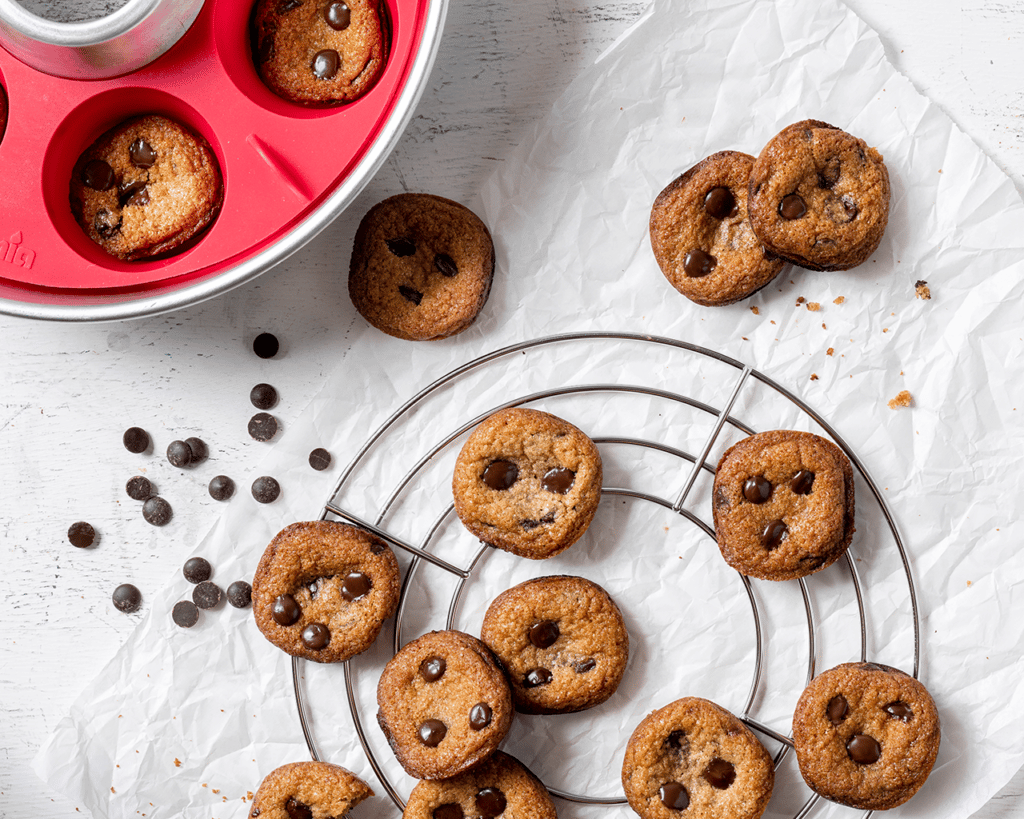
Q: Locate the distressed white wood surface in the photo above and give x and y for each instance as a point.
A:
(68, 392)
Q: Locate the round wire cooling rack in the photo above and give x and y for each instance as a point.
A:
(695, 467)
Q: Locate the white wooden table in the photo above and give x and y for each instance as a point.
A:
(68, 392)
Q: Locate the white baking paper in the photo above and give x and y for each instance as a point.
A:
(186, 723)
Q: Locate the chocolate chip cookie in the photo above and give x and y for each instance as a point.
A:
(562, 642)
(319, 52)
(527, 482)
(783, 504)
(304, 790)
(866, 735)
(819, 197)
(145, 188)
(499, 786)
(444, 704)
(322, 590)
(421, 267)
(693, 755)
(701, 237)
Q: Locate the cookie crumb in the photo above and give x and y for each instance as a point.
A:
(177, 762)
(813, 306)
(902, 399)
(968, 582)
(754, 310)
(772, 320)
(800, 300)
(922, 291)
(112, 789)
(839, 299)
(823, 327)
(814, 376)
(830, 351)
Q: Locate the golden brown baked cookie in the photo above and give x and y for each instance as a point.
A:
(562, 642)
(319, 52)
(145, 187)
(443, 704)
(527, 482)
(819, 197)
(308, 790)
(701, 237)
(694, 758)
(783, 504)
(421, 267)
(322, 590)
(866, 735)
(499, 786)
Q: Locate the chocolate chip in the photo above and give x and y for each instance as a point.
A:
(837, 709)
(266, 345)
(697, 263)
(138, 488)
(802, 482)
(133, 193)
(720, 203)
(127, 598)
(316, 636)
(773, 535)
(410, 294)
(500, 474)
(586, 665)
(338, 16)
(719, 773)
(197, 569)
(326, 64)
(537, 677)
(199, 450)
(446, 266)
(207, 595)
(107, 224)
(263, 396)
(293, 807)
(544, 633)
(401, 247)
(157, 511)
(863, 750)
(356, 585)
(185, 614)
(240, 594)
(678, 741)
(490, 802)
(285, 610)
(899, 710)
(431, 732)
(135, 439)
(179, 454)
(433, 668)
(320, 459)
(533, 524)
(221, 487)
(98, 175)
(142, 154)
(850, 207)
(262, 426)
(558, 480)
(480, 716)
(81, 534)
(792, 206)
(757, 489)
(448, 811)
(829, 175)
(265, 489)
(265, 53)
(284, 6)
(674, 796)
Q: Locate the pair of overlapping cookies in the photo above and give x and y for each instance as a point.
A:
(816, 196)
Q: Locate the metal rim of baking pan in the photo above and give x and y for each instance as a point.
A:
(697, 462)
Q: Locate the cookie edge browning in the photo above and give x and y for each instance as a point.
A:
(802, 728)
(360, 789)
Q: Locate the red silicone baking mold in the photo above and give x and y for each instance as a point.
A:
(280, 161)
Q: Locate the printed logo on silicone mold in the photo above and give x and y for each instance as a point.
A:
(12, 252)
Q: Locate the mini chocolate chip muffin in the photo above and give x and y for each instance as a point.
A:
(322, 590)
(701, 237)
(819, 197)
(527, 482)
(693, 755)
(562, 642)
(319, 52)
(421, 267)
(783, 504)
(866, 735)
(145, 188)
(308, 790)
(499, 786)
(444, 704)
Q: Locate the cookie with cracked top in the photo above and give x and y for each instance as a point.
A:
(819, 197)
(562, 642)
(421, 267)
(866, 735)
(527, 482)
(783, 504)
(443, 704)
(694, 756)
(322, 590)
(701, 237)
(306, 790)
